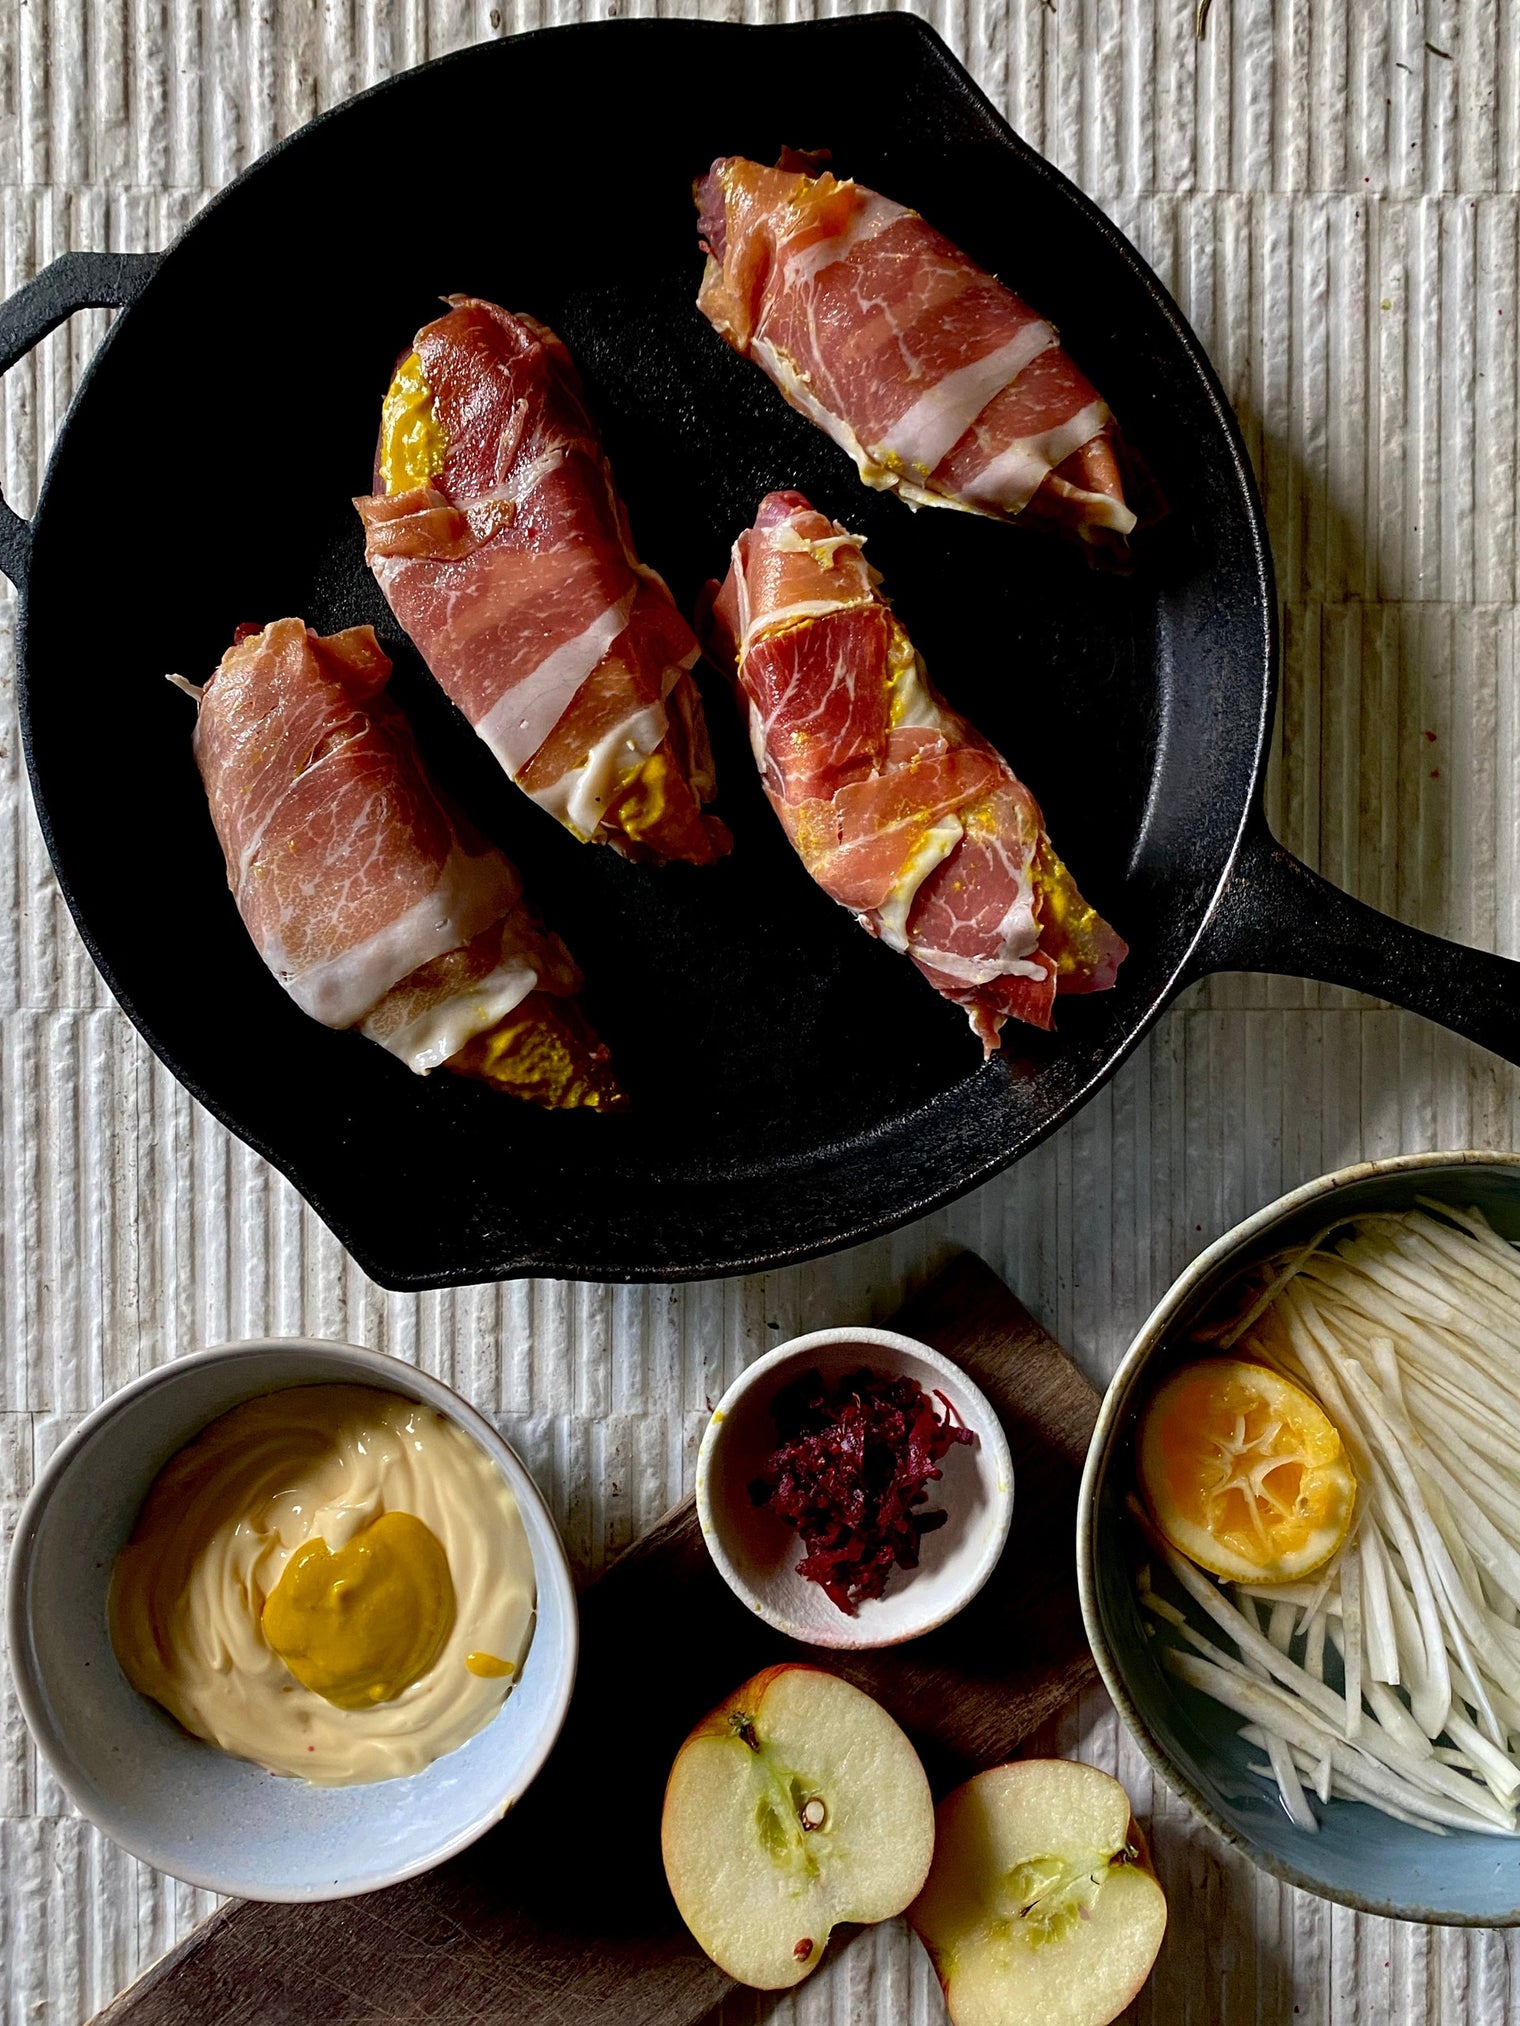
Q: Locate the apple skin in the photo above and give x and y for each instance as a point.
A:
(795, 1805)
(1062, 1832)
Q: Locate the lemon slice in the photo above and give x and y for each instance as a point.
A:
(1245, 1473)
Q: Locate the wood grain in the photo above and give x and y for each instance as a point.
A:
(562, 1915)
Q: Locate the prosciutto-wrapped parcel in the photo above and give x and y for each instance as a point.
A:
(897, 807)
(373, 903)
(938, 381)
(500, 542)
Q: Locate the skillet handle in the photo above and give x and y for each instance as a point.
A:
(74, 281)
(1276, 915)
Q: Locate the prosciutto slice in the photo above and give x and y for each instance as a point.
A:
(372, 902)
(512, 568)
(897, 807)
(939, 382)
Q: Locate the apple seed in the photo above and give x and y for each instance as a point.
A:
(803, 1949)
(813, 1813)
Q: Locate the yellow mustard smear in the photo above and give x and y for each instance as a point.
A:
(536, 1053)
(413, 446)
(359, 1624)
(1062, 906)
(644, 801)
(488, 1666)
(815, 833)
(905, 675)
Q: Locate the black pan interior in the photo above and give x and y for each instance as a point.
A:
(796, 1086)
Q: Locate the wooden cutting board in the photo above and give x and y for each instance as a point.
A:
(562, 1914)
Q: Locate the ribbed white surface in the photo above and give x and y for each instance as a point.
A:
(1335, 205)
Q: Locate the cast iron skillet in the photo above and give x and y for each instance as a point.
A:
(797, 1087)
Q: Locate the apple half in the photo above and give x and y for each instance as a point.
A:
(1041, 1908)
(797, 1804)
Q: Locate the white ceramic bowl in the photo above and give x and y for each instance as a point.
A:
(181, 1804)
(757, 1553)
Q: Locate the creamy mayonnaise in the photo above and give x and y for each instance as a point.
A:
(228, 1514)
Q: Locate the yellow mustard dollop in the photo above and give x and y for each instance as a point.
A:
(413, 446)
(360, 1624)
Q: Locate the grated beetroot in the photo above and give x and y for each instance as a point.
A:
(852, 1465)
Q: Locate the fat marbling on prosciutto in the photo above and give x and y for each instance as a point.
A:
(940, 382)
(373, 903)
(898, 808)
(500, 542)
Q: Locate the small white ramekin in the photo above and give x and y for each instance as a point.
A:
(757, 1552)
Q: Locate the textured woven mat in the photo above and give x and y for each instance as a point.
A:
(1330, 189)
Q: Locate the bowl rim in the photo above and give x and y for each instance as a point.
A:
(390, 1374)
(1111, 1416)
(990, 1431)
